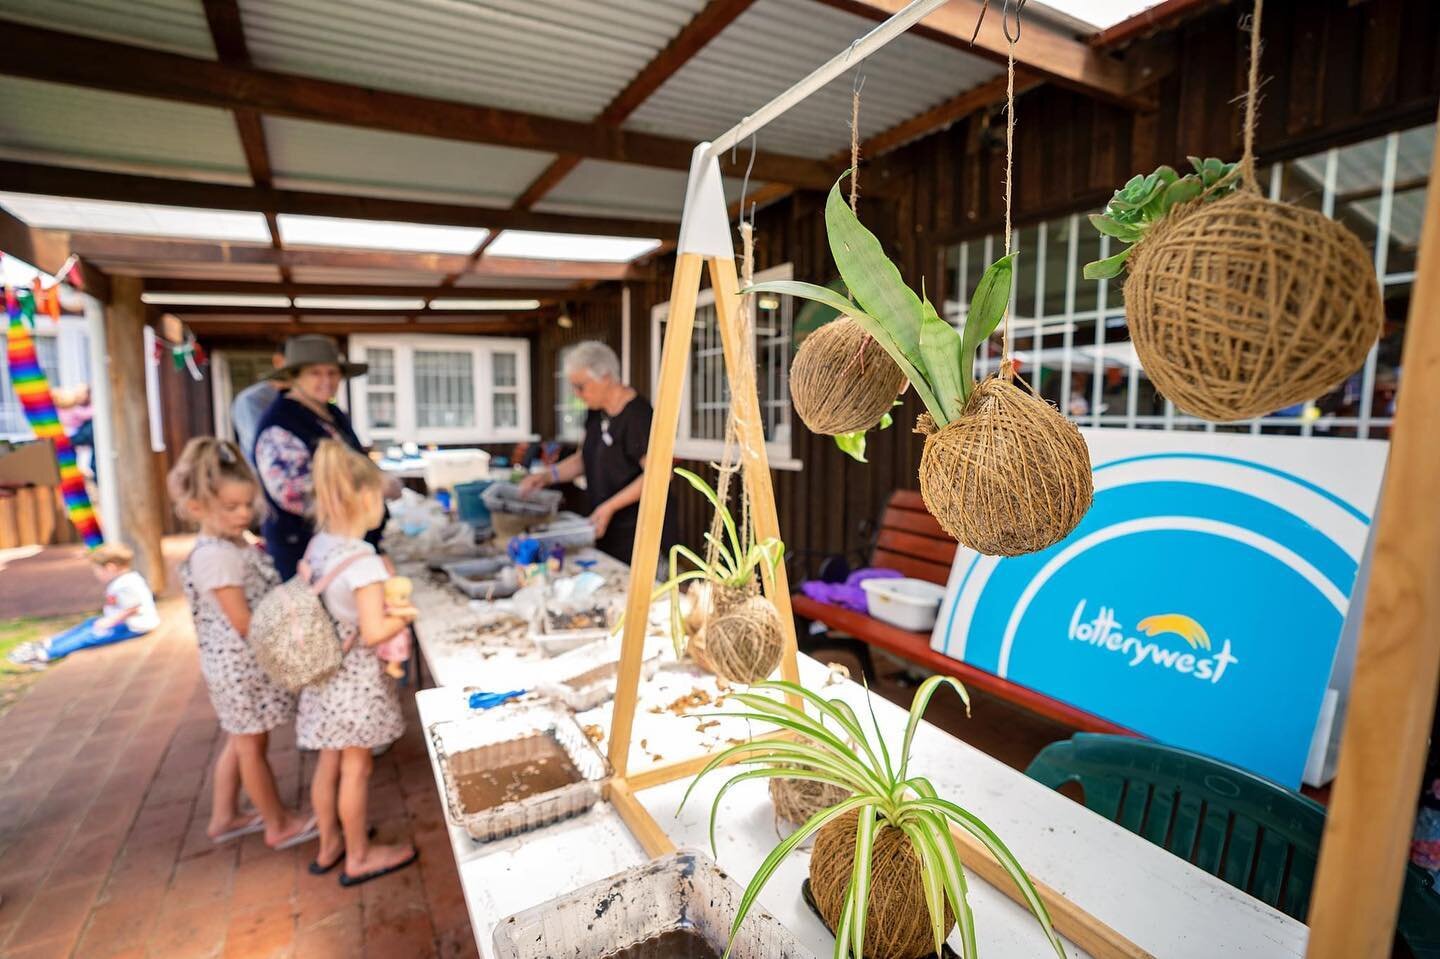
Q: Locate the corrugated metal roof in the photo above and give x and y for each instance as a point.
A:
(600, 188)
(311, 274)
(564, 58)
(175, 25)
(55, 123)
(777, 42)
(341, 159)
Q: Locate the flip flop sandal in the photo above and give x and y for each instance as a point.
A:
(309, 832)
(256, 824)
(318, 870)
(347, 880)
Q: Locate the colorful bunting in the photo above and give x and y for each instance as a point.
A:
(31, 386)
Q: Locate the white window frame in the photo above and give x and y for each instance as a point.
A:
(482, 350)
(687, 448)
(565, 398)
(72, 345)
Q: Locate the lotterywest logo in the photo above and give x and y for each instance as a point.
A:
(1159, 649)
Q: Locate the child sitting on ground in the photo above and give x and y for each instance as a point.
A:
(129, 611)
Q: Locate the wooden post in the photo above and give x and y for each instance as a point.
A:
(136, 473)
(1392, 694)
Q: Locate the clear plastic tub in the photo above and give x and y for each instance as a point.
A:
(910, 604)
(525, 727)
(685, 890)
(584, 678)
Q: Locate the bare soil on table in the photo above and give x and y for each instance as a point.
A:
(675, 944)
(510, 771)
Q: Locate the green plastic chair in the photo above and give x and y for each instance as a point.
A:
(1253, 834)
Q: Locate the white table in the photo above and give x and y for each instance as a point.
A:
(1160, 902)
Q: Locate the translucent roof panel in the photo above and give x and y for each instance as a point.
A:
(144, 219)
(484, 305)
(358, 303)
(1101, 14)
(296, 230)
(175, 25)
(567, 246)
(214, 299)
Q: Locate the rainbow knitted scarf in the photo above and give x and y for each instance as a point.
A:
(29, 382)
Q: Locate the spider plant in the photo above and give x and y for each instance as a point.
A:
(937, 359)
(734, 565)
(883, 791)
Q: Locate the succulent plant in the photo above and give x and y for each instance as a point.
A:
(1148, 198)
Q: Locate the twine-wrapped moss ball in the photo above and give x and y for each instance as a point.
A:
(743, 644)
(1010, 476)
(841, 380)
(897, 918)
(1245, 306)
(796, 800)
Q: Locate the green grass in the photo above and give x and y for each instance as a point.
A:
(14, 680)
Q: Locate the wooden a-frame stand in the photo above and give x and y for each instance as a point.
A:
(704, 244)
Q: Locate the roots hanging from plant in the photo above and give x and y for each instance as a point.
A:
(897, 918)
(841, 381)
(743, 643)
(1010, 476)
(1245, 306)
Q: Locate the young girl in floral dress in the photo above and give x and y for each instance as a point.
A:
(358, 708)
(224, 577)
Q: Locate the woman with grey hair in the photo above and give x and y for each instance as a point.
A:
(612, 455)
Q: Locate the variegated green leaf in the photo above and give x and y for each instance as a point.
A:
(940, 344)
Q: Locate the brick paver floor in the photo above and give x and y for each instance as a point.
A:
(104, 798)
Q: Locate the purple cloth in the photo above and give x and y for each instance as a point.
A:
(848, 594)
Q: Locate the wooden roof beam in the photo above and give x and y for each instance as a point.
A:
(237, 329)
(545, 294)
(47, 251)
(439, 317)
(58, 57)
(147, 255)
(98, 185)
(1042, 49)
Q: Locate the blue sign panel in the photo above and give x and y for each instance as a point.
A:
(1199, 602)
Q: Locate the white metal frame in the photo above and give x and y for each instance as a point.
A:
(481, 350)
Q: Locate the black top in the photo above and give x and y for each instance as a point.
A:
(288, 534)
(612, 451)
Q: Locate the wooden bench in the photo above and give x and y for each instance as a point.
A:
(910, 541)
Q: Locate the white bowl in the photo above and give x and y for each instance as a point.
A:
(911, 604)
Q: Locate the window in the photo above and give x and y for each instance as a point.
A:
(1073, 346)
(706, 396)
(441, 389)
(569, 409)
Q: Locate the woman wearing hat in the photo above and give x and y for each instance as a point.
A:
(285, 441)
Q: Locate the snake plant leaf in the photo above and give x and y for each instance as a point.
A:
(871, 325)
(987, 309)
(941, 345)
(1124, 232)
(877, 287)
(1109, 267)
(852, 445)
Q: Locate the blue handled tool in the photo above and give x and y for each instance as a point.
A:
(482, 700)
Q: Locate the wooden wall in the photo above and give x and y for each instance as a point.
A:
(1338, 71)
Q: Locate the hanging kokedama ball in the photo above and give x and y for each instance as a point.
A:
(796, 800)
(897, 917)
(841, 380)
(1245, 306)
(743, 643)
(1010, 476)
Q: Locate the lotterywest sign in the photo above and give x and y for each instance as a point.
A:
(1199, 602)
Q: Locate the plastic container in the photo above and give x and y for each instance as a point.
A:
(469, 503)
(444, 469)
(512, 513)
(518, 724)
(910, 604)
(584, 678)
(553, 642)
(499, 583)
(567, 530)
(685, 890)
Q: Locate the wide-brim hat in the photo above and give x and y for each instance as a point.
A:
(314, 349)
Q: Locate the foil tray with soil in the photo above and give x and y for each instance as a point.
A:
(516, 768)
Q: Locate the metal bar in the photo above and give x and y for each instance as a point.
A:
(836, 65)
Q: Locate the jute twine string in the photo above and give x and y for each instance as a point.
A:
(897, 917)
(796, 800)
(841, 381)
(1243, 306)
(1010, 475)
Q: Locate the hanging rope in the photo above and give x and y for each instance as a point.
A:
(855, 143)
(1007, 365)
(1252, 102)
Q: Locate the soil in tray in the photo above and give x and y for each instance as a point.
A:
(675, 944)
(510, 771)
